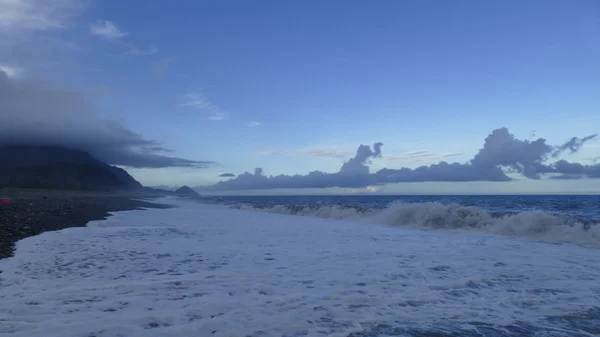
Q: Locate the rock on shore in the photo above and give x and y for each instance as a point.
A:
(32, 215)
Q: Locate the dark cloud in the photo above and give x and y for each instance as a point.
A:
(571, 170)
(35, 112)
(502, 149)
(442, 171)
(160, 149)
(227, 175)
(501, 153)
(566, 177)
(573, 144)
(357, 165)
(354, 173)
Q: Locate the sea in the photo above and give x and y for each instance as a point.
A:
(551, 217)
(335, 266)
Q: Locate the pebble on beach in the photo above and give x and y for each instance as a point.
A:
(28, 216)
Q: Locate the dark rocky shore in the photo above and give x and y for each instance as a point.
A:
(33, 213)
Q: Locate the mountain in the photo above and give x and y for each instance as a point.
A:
(59, 167)
(122, 175)
(185, 190)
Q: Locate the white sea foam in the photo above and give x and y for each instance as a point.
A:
(433, 215)
(201, 270)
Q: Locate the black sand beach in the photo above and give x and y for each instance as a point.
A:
(34, 212)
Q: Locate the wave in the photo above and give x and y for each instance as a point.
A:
(437, 216)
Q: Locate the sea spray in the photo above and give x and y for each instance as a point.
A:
(438, 216)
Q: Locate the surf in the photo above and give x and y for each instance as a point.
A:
(536, 224)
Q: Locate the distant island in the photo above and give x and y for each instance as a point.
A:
(185, 190)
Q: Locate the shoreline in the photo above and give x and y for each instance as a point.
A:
(34, 212)
(238, 272)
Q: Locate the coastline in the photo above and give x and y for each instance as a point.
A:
(32, 212)
(196, 268)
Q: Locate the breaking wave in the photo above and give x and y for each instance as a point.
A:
(437, 216)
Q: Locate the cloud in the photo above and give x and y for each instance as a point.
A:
(253, 124)
(11, 72)
(227, 175)
(420, 156)
(450, 154)
(40, 113)
(29, 15)
(109, 30)
(417, 153)
(22, 56)
(29, 40)
(198, 100)
(594, 159)
(358, 164)
(159, 149)
(568, 170)
(106, 29)
(276, 152)
(353, 174)
(335, 153)
(318, 152)
(326, 152)
(501, 153)
(573, 144)
(218, 116)
(502, 149)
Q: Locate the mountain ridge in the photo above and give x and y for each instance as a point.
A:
(58, 167)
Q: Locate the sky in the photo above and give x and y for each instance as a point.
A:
(200, 92)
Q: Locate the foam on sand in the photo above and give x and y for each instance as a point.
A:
(201, 270)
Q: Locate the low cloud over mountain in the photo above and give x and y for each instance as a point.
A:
(35, 112)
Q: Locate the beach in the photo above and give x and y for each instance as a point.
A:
(210, 270)
(32, 212)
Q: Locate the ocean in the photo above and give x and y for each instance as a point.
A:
(352, 266)
(558, 218)
(585, 207)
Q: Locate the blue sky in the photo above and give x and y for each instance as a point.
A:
(297, 86)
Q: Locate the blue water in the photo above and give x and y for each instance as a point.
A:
(583, 207)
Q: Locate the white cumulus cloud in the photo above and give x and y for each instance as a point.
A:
(27, 15)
